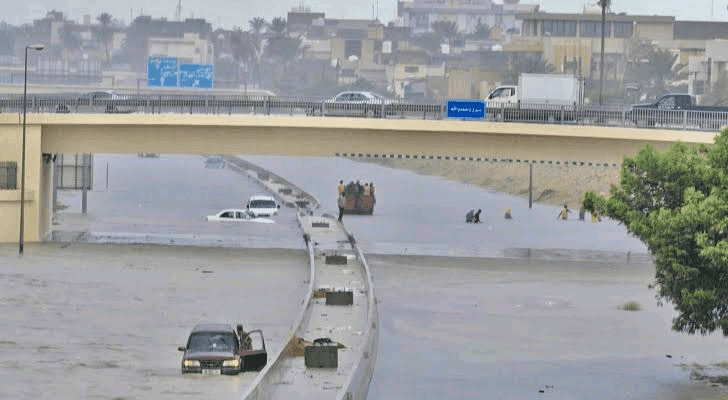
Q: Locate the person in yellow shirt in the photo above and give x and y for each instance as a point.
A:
(367, 189)
(564, 213)
(341, 187)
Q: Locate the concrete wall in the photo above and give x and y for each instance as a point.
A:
(11, 137)
(357, 386)
(270, 375)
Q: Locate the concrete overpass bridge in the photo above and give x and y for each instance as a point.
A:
(49, 134)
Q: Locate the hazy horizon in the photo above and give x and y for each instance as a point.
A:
(19, 12)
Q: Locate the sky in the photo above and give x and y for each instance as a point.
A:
(229, 14)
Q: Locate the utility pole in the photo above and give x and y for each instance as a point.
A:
(179, 10)
(603, 4)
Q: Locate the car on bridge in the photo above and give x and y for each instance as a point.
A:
(215, 349)
(355, 103)
(108, 100)
(235, 215)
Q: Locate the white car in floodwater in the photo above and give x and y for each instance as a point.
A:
(236, 215)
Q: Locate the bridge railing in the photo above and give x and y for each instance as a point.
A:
(165, 103)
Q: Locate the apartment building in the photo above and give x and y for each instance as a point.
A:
(572, 42)
(189, 49)
(467, 14)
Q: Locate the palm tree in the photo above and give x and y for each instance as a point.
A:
(482, 31)
(106, 31)
(604, 5)
(278, 27)
(257, 24)
(245, 48)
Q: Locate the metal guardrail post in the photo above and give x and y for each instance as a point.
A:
(561, 120)
(207, 104)
(267, 105)
(383, 111)
(685, 119)
(32, 104)
(323, 107)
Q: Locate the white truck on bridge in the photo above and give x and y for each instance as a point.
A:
(551, 89)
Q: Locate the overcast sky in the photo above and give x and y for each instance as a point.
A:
(230, 13)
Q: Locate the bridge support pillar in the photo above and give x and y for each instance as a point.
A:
(11, 136)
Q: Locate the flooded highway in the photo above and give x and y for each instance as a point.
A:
(87, 320)
(165, 200)
(517, 309)
(543, 315)
(425, 215)
(91, 321)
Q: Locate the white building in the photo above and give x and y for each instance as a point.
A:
(420, 14)
(190, 49)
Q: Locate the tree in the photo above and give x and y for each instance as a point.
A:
(482, 31)
(649, 67)
(69, 37)
(661, 63)
(446, 30)
(527, 64)
(257, 24)
(106, 32)
(244, 48)
(676, 202)
(278, 27)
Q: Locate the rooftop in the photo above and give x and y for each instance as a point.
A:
(596, 17)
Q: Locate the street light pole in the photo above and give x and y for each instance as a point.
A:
(22, 173)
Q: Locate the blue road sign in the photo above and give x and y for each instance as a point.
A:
(465, 109)
(196, 76)
(162, 72)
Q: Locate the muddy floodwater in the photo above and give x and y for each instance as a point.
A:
(87, 321)
(521, 309)
(509, 328)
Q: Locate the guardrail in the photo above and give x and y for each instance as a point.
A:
(69, 102)
(357, 386)
(257, 389)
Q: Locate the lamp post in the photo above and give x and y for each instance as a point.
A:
(37, 47)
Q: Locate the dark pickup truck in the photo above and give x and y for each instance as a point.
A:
(668, 110)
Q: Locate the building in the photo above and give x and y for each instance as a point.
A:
(571, 43)
(419, 15)
(144, 27)
(411, 80)
(189, 49)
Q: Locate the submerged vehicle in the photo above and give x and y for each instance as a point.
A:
(216, 349)
(360, 199)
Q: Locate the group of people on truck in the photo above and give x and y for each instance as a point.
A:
(358, 192)
(355, 188)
